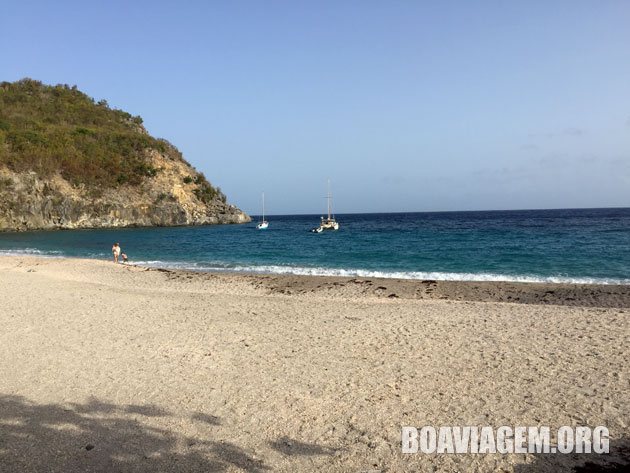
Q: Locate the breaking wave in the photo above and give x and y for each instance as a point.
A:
(30, 252)
(363, 273)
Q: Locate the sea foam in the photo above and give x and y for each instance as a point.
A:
(363, 273)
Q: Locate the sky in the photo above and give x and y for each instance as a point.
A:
(403, 105)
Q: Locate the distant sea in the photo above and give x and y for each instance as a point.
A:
(583, 246)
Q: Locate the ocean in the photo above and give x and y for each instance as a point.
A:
(581, 245)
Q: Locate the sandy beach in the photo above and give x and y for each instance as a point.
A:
(110, 368)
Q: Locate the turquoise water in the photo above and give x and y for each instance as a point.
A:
(536, 245)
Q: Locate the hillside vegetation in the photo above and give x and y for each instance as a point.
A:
(67, 161)
(59, 129)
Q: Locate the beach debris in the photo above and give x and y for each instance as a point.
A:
(89, 447)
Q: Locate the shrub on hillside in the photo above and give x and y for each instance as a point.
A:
(50, 129)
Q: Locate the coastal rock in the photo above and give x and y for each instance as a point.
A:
(31, 202)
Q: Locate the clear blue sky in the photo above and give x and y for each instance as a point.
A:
(405, 105)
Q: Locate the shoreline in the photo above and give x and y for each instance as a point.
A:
(536, 293)
(391, 275)
(297, 271)
(565, 294)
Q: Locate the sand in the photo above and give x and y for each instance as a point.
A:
(110, 368)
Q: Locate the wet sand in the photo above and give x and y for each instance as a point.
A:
(582, 295)
(117, 368)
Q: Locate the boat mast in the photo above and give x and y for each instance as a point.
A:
(329, 197)
(263, 209)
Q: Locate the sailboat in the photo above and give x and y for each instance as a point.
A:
(263, 223)
(328, 223)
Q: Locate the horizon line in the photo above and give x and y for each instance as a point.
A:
(444, 211)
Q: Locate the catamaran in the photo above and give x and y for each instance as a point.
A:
(263, 223)
(328, 223)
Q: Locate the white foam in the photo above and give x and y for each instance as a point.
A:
(29, 251)
(317, 271)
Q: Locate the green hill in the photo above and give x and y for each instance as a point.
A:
(58, 128)
(60, 132)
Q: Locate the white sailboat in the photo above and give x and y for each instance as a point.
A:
(329, 223)
(263, 223)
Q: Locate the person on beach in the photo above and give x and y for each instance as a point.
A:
(116, 252)
(124, 258)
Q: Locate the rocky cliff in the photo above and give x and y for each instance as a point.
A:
(29, 201)
(96, 167)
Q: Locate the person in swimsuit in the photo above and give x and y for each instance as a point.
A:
(116, 252)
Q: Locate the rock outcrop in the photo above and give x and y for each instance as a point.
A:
(31, 202)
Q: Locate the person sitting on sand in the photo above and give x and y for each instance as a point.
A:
(116, 252)
(124, 258)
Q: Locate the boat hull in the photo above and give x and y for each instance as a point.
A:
(326, 225)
